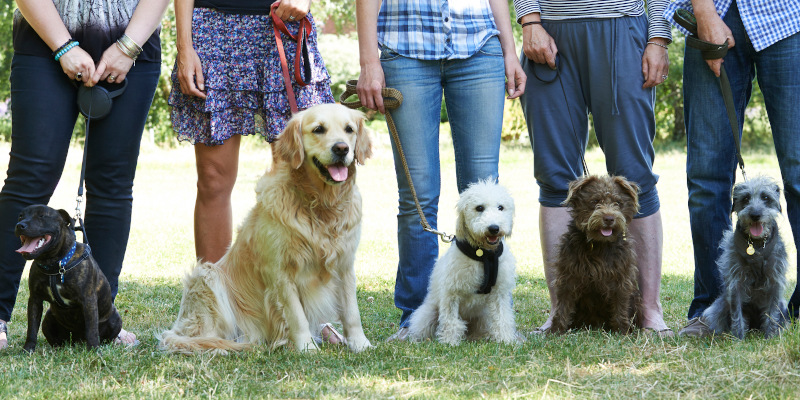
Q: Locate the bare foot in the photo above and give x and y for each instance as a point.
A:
(653, 320)
(126, 338)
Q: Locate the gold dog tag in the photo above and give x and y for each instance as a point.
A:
(479, 252)
(750, 250)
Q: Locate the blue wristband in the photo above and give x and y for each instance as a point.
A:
(66, 48)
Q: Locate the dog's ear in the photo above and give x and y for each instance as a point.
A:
(629, 188)
(289, 144)
(575, 187)
(778, 197)
(67, 218)
(363, 140)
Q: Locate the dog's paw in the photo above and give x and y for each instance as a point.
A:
(358, 344)
(306, 345)
(29, 347)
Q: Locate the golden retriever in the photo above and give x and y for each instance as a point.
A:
(291, 265)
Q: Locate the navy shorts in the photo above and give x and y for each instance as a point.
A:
(600, 68)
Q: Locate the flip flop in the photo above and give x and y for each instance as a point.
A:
(663, 333)
(329, 334)
(4, 329)
(118, 340)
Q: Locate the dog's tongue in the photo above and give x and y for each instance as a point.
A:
(606, 231)
(29, 244)
(338, 172)
(756, 229)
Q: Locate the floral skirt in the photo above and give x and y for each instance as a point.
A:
(243, 79)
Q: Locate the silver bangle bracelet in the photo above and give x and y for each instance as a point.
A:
(659, 45)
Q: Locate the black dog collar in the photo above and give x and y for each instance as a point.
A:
(490, 263)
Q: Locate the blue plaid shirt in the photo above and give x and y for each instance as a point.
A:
(766, 21)
(435, 29)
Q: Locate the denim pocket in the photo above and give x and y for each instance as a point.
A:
(492, 47)
(388, 54)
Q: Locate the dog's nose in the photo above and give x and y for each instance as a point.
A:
(20, 226)
(608, 219)
(340, 149)
(755, 217)
(493, 229)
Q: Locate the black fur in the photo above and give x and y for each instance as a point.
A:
(90, 315)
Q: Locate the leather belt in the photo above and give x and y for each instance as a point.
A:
(302, 64)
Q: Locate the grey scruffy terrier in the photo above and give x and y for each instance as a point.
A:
(752, 264)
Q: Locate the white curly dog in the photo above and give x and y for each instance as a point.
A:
(469, 294)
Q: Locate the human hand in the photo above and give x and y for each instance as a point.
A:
(292, 10)
(78, 61)
(190, 73)
(655, 63)
(539, 46)
(113, 66)
(515, 77)
(712, 29)
(370, 83)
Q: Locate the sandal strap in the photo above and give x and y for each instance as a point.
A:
(3, 327)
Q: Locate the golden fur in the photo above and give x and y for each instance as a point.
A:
(291, 266)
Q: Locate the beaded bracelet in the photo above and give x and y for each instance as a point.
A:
(659, 45)
(65, 48)
(531, 23)
(62, 46)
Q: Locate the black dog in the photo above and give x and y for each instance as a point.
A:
(65, 275)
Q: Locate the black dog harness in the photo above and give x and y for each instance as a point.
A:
(63, 266)
(490, 263)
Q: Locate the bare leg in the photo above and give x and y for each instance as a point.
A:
(648, 242)
(553, 223)
(217, 167)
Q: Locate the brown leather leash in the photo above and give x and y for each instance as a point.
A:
(392, 98)
(301, 64)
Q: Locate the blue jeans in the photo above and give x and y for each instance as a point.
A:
(44, 112)
(474, 92)
(711, 160)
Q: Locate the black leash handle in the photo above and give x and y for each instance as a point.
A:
(712, 51)
(392, 98)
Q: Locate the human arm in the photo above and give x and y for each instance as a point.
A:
(515, 77)
(537, 44)
(292, 8)
(45, 20)
(655, 60)
(189, 68)
(371, 79)
(143, 23)
(712, 29)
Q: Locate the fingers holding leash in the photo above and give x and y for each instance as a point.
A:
(370, 83)
(292, 10)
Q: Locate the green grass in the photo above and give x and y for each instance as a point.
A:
(582, 365)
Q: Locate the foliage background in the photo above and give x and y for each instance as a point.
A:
(340, 52)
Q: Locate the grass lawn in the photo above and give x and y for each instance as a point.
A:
(582, 364)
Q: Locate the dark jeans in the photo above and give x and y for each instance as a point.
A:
(44, 112)
(711, 160)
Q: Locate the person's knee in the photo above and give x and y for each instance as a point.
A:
(214, 180)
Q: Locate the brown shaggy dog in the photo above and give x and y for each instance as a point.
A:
(596, 274)
(291, 266)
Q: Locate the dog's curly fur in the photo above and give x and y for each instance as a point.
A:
(752, 284)
(291, 266)
(595, 274)
(452, 309)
